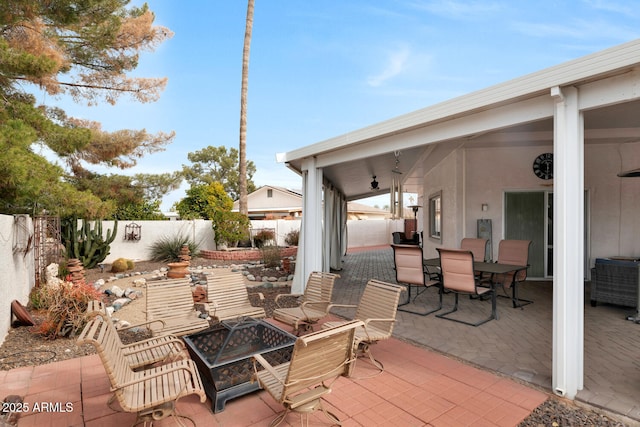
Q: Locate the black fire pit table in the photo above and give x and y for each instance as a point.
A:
(223, 356)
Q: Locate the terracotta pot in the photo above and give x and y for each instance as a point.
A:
(178, 270)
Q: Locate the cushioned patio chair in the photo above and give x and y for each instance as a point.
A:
(377, 309)
(313, 304)
(317, 360)
(170, 308)
(139, 354)
(458, 277)
(515, 252)
(410, 271)
(150, 393)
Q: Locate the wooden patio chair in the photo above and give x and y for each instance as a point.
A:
(410, 271)
(514, 252)
(170, 308)
(458, 277)
(140, 354)
(228, 298)
(314, 304)
(150, 393)
(317, 360)
(377, 310)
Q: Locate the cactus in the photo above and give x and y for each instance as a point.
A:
(87, 244)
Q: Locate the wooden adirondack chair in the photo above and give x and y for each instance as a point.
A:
(317, 360)
(151, 393)
(314, 304)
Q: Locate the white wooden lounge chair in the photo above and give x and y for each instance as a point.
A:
(313, 305)
(317, 360)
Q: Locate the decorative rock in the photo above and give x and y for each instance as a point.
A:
(282, 279)
(142, 282)
(290, 277)
(251, 277)
(272, 279)
(110, 310)
(117, 291)
(119, 303)
(98, 283)
(122, 324)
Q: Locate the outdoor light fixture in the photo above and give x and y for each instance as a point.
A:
(415, 208)
(374, 183)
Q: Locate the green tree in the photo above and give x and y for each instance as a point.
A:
(83, 48)
(203, 200)
(217, 164)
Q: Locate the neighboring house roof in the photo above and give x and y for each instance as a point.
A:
(275, 200)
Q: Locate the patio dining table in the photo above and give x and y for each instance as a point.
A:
(491, 268)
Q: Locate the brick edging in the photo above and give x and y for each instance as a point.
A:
(244, 254)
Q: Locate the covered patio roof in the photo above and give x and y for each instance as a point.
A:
(518, 112)
(591, 100)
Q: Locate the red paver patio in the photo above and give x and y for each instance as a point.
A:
(418, 388)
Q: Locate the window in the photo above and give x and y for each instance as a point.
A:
(269, 193)
(435, 216)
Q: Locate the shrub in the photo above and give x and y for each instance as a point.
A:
(167, 249)
(263, 236)
(292, 238)
(230, 227)
(271, 256)
(119, 265)
(65, 307)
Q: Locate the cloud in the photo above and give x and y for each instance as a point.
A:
(577, 29)
(464, 10)
(623, 8)
(396, 64)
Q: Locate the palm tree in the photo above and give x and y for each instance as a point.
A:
(244, 209)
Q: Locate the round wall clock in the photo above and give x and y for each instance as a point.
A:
(543, 166)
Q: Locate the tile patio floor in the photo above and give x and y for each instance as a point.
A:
(437, 372)
(418, 388)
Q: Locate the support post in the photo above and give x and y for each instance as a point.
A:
(568, 244)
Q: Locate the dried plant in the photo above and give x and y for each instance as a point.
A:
(65, 307)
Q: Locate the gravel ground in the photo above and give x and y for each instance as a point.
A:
(22, 347)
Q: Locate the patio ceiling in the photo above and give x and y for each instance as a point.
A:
(515, 113)
(618, 123)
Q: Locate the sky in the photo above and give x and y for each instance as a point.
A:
(319, 69)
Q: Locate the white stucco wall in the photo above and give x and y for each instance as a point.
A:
(446, 177)
(16, 270)
(613, 202)
(198, 230)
